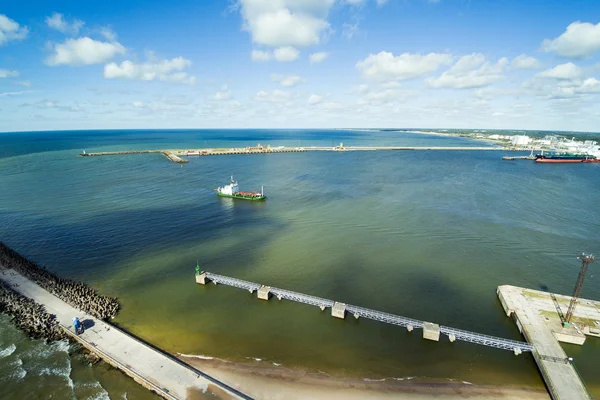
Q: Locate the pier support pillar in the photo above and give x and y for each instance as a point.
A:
(356, 315)
(322, 308)
(202, 278)
(409, 328)
(517, 351)
(452, 338)
(279, 297)
(338, 310)
(263, 292)
(431, 331)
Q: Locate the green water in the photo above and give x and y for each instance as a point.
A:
(427, 235)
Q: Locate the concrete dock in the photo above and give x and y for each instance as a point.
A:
(167, 376)
(176, 154)
(537, 315)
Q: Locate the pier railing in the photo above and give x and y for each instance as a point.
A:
(362, 312)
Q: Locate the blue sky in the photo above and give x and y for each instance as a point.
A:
(300, 64)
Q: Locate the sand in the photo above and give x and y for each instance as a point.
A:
(278, 383)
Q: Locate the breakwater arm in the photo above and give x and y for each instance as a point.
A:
(176, 154)
(157, 371)
(77, 294)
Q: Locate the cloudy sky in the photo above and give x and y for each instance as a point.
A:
(519, 64)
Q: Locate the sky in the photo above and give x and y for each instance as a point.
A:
(481, 64)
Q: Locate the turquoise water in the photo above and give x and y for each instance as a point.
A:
(427, 235)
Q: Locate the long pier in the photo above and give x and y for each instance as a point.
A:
(158, 371)
(431, 330)
(176, 154)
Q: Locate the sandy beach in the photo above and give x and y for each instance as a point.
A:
(277, 383)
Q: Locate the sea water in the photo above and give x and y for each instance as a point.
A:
(423, 234)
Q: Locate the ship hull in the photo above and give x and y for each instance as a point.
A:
(243, 197)
(550, 160)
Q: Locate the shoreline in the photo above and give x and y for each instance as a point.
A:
(277, 382)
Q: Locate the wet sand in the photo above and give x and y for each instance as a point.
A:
(276, 382)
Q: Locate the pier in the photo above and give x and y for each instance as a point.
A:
(169, 377)
(538, 317)
(176, 154)
(431, 331)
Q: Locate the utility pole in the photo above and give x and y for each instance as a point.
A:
(586, 260)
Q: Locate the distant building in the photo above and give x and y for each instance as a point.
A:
(520, 140)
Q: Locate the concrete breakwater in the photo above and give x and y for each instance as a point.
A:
(170, 154)
(151, 367)
(74, 293)
(29, 316)
(176, 154)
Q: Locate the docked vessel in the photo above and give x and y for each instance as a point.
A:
(232, 190)
(565, 158)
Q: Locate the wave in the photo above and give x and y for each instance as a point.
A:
(19, 372)
(101, 396)
(196, 356)
(8, 351)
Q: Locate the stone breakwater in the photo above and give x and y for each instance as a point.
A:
(29, 316)
(77, 294)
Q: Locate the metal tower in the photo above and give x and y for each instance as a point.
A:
(586, 260)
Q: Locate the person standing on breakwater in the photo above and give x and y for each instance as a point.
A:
(77, 325)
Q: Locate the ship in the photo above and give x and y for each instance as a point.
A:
(566, 158)
(232, 190)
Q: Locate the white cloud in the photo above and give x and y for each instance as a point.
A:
(7, 94)
(580, 40)
(223, 94)
(258, 55)
(382, 96)
(108, 34)
(164, 70)
(316, 58)
(563, 71)
(23, 83)
(276, 96)
(525, 62)
(315, 99)
(286, 22)
(287, 81)
(7, 73)
(138, 104)
(470, 71)
(286, 54)
(381, 2)
(349, 30)
(332, 106)
(590, 85)
(83, 51)
(386, 66)
(56, 21)
(11, 30)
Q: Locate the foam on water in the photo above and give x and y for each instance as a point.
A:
(18, 373)
(102, 396)
(8, 351)
(197, 356)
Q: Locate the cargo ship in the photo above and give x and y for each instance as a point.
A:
(565, 158)
(232, 191)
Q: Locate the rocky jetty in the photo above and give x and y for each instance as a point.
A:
(29, 316)
(77, 294)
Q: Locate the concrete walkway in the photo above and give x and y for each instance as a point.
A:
(169, 377)
(561, 378)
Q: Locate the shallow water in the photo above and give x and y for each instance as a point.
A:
(427, 235)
